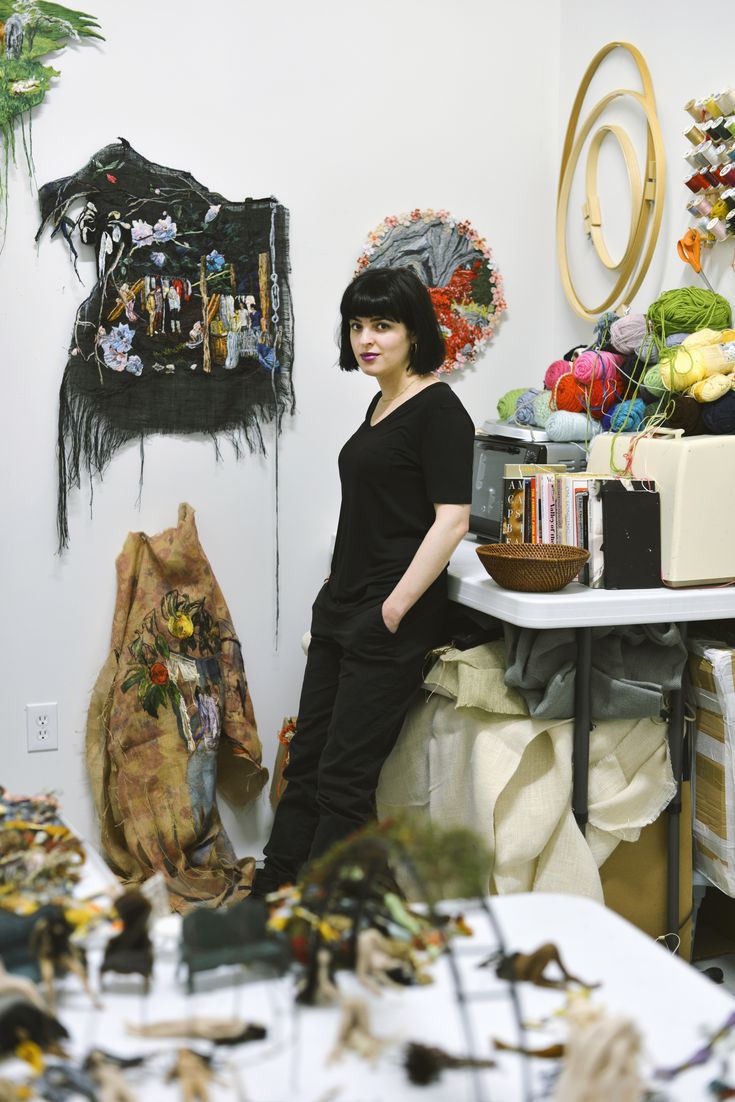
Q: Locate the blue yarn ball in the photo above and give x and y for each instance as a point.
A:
(606, 419)
(524, 407)
(675, 339)
(627, 416)
(719, 416)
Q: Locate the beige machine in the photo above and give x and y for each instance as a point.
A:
(695, 476)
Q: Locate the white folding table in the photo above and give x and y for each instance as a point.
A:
(579, 607)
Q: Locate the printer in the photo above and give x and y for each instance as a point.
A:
(498, 443)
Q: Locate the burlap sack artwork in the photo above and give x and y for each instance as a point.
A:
(170, 720)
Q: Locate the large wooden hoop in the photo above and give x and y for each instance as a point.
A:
(647, 200)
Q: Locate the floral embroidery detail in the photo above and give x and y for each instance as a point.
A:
(141, 232)
(181, 626)
(469, 300)
(159, 673)
(215, 261)
(164, 229)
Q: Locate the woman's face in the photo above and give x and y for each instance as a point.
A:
(381, 347)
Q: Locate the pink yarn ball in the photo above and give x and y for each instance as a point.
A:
(593, 365)
(555, 371)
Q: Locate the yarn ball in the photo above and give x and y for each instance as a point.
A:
(602, 396)
(682, 368)
(542, 408)
(653, 383)
(702, 338)
(647, 350)
(628, 416)
(602, 328)
(507, 404)
(607, 417)
(628, 333)
(686, 309)
(718, 417)
(711, 388)
(555, 371)
(567, 394)
(676, 339)
(524, 407)
(596, 365)
(565, 426)
(685, 413)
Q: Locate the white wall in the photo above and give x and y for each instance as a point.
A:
(346, 113)
(664, 33)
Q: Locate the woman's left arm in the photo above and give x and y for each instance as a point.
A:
(451, 524)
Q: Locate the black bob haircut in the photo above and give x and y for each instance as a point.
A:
(396, 294)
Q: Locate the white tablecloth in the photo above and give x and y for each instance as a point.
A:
(672, 1004)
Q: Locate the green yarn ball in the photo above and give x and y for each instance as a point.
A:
(542, 408)
(652, 381)
(686, 309)
(507, 404)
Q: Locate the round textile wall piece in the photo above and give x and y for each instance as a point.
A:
(455, 264)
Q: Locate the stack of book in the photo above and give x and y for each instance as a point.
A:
(616, 519)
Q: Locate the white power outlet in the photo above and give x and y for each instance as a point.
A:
(42, 727)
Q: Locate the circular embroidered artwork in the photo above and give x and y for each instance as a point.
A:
(456, 265)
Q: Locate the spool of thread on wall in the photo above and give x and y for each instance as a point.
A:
(694, 134)
(565, 426)
(507, 404)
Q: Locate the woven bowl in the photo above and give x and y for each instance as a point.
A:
(532, 567)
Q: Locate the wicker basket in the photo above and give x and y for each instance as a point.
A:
(532, 567)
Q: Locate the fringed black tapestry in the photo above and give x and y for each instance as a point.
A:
(189, 327)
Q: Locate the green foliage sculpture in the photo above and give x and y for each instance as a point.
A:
(30, 29)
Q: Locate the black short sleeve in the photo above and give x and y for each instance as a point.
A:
(446, 451)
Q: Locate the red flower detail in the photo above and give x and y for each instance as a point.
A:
(159, 673)
(111, 178)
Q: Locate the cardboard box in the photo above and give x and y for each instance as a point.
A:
(634, 878)
(712, 672)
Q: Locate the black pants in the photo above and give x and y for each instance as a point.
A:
(359, 681)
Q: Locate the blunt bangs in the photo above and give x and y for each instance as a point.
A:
(396, 294)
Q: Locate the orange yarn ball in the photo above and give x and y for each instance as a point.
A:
(572, 395)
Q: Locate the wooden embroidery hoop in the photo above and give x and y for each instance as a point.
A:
(647, 198)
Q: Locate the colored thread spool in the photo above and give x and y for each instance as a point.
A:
(696, 182)
(727, 174)
(701, 106)
(717, 228)
(723, 101)
(694, 134)
(728, 197)
(730, 124)
(696, 158)
(707, 149)
(720, 209)
(691, 108)
(700, 205)
(710, 176)
(712, 106)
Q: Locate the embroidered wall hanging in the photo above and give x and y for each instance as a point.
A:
(456, 265)
(29, 31)
(171, 719)
(188, 328)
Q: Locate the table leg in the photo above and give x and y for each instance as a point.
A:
(582, 726)
(673, 811)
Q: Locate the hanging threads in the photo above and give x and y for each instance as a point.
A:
(686, 309)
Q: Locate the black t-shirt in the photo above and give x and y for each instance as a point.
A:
(392, 474)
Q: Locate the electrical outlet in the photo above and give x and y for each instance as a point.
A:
(42, 727)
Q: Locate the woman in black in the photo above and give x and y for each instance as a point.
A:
(406, 479)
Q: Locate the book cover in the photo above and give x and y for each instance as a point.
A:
(511, 529)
